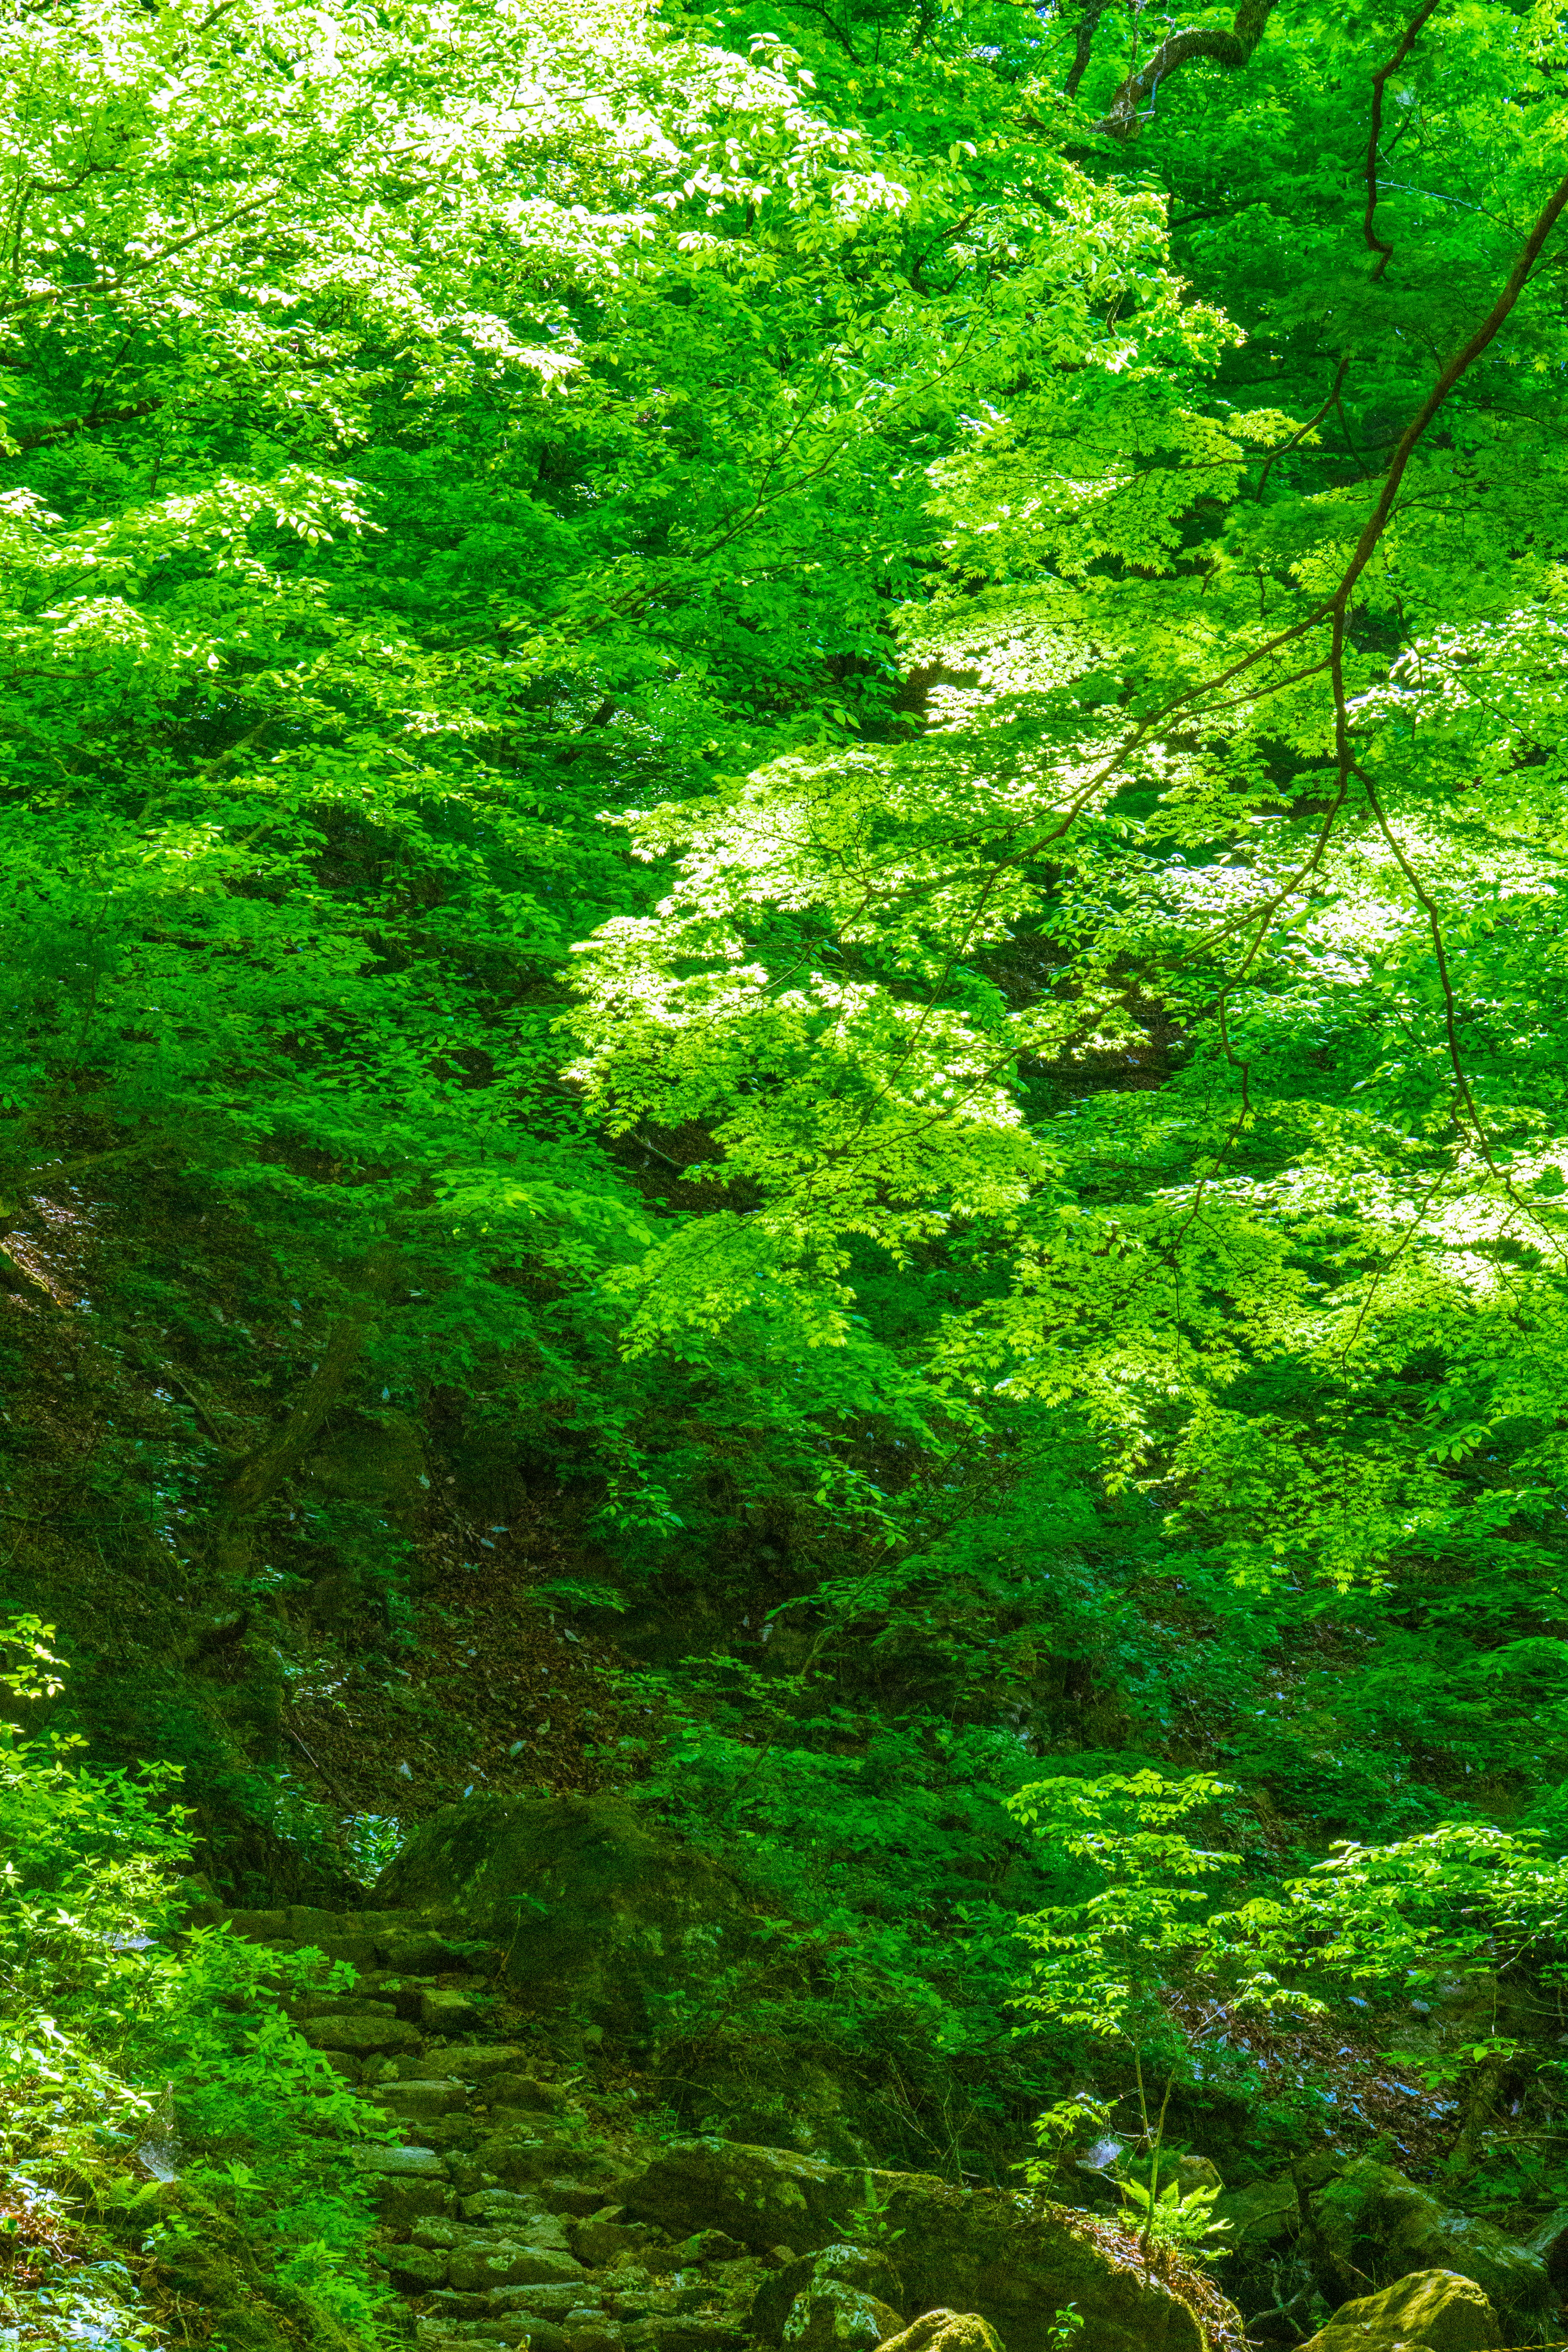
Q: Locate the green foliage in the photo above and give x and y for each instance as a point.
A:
(868, 2224)
(1170, 2218)
(1463, 1902)
(810, 763)
(1106, 1963)
(134, 2055)
(1056, 2130)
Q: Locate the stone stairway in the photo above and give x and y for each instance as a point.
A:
(499, 2214)
(526, 2202)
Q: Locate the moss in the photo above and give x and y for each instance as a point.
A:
(600, 1915)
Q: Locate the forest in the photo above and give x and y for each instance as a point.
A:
(784, 1175)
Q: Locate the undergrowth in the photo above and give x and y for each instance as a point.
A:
(169, 2146)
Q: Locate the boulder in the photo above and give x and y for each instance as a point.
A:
(864, 2270)
(448, 2012)
(420, 1951)
(599, 1914)
(417, 2102)
(1548, 2244)
(1264, 2218)
(763, 2196)
(1430, 2311)
(674, 2331)
(947, 2331)
(519, 2159)
(404, 2204)
(1381, 2227)
(401, 2163)
(478, 2064)
(608, 2237)
(503, 2262)
(831, 2315)
(983, 2253)
(416, 2270)
(525, 2216)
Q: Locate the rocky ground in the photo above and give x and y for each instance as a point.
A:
(525, 2202)
(531, 2189)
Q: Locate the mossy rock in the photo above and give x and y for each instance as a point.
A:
(599, 1914)
(1431, 2310)
(975, 2251)
(870, 2270)
(1384, 2228)
(378, 1459)
(946, 2331)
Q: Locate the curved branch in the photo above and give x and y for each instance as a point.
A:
(1134, 102)
(1369, 222)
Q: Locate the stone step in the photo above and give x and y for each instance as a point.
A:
(501, 2264)
(404, 1940)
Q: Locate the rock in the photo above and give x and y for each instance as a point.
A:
(976, 2250)
(519, 2158)
(478, 2064)
(448, 2012)
(404, 2204)
(419, 1951)
(342, 2004)
(858, 2268)
(443, 2331)
(506, 2262)
(441, 2231)
(402, 2163)
(1381, 2226)
(947, 2331)
(379, 2033)
(1197, 2172)
(706, 2249)
(1548, 2244)
(1265, 2216)
(608, 2237)
(419, 2099)
(833, 2317)
(260, 1927)
(600, 1914)
(523, 2217)
(522, 2090)
(226, 2288)
(416, 2269)
(1431, 2310)
(759, 2195)
(683, 2332)
(571, 2197)
(551, 2301)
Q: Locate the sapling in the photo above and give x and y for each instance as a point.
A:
(1104, 1963)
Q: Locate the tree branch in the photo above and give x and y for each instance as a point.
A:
(1089, 25)
(1134, 102)
(1368, 229)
